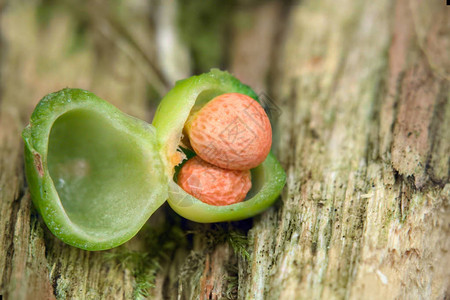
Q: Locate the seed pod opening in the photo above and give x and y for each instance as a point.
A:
(187, 97)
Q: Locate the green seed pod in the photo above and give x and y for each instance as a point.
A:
(188, 96)
(96, 174)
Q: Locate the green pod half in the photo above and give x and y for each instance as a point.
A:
(94, 173)
(190, 95)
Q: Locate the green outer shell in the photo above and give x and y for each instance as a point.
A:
(42, 188)
(269, 178)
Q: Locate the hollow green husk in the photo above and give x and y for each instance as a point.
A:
(94, 173)
(189, 95)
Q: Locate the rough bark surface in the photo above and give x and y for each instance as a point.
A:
(364, 136)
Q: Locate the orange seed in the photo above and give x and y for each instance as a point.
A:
(214, 185)
(231, 131)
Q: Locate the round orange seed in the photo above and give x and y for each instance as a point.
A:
(231, 131)
(214, 185)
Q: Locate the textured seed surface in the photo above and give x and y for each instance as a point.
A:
(231, 131)
(214, 185)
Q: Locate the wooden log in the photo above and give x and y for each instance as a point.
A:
(363, 90)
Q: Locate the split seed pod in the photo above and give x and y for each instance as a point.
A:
(96, 174)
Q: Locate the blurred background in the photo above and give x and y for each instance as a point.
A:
(131, 52)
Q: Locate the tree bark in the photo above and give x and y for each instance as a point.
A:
(360, 96)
